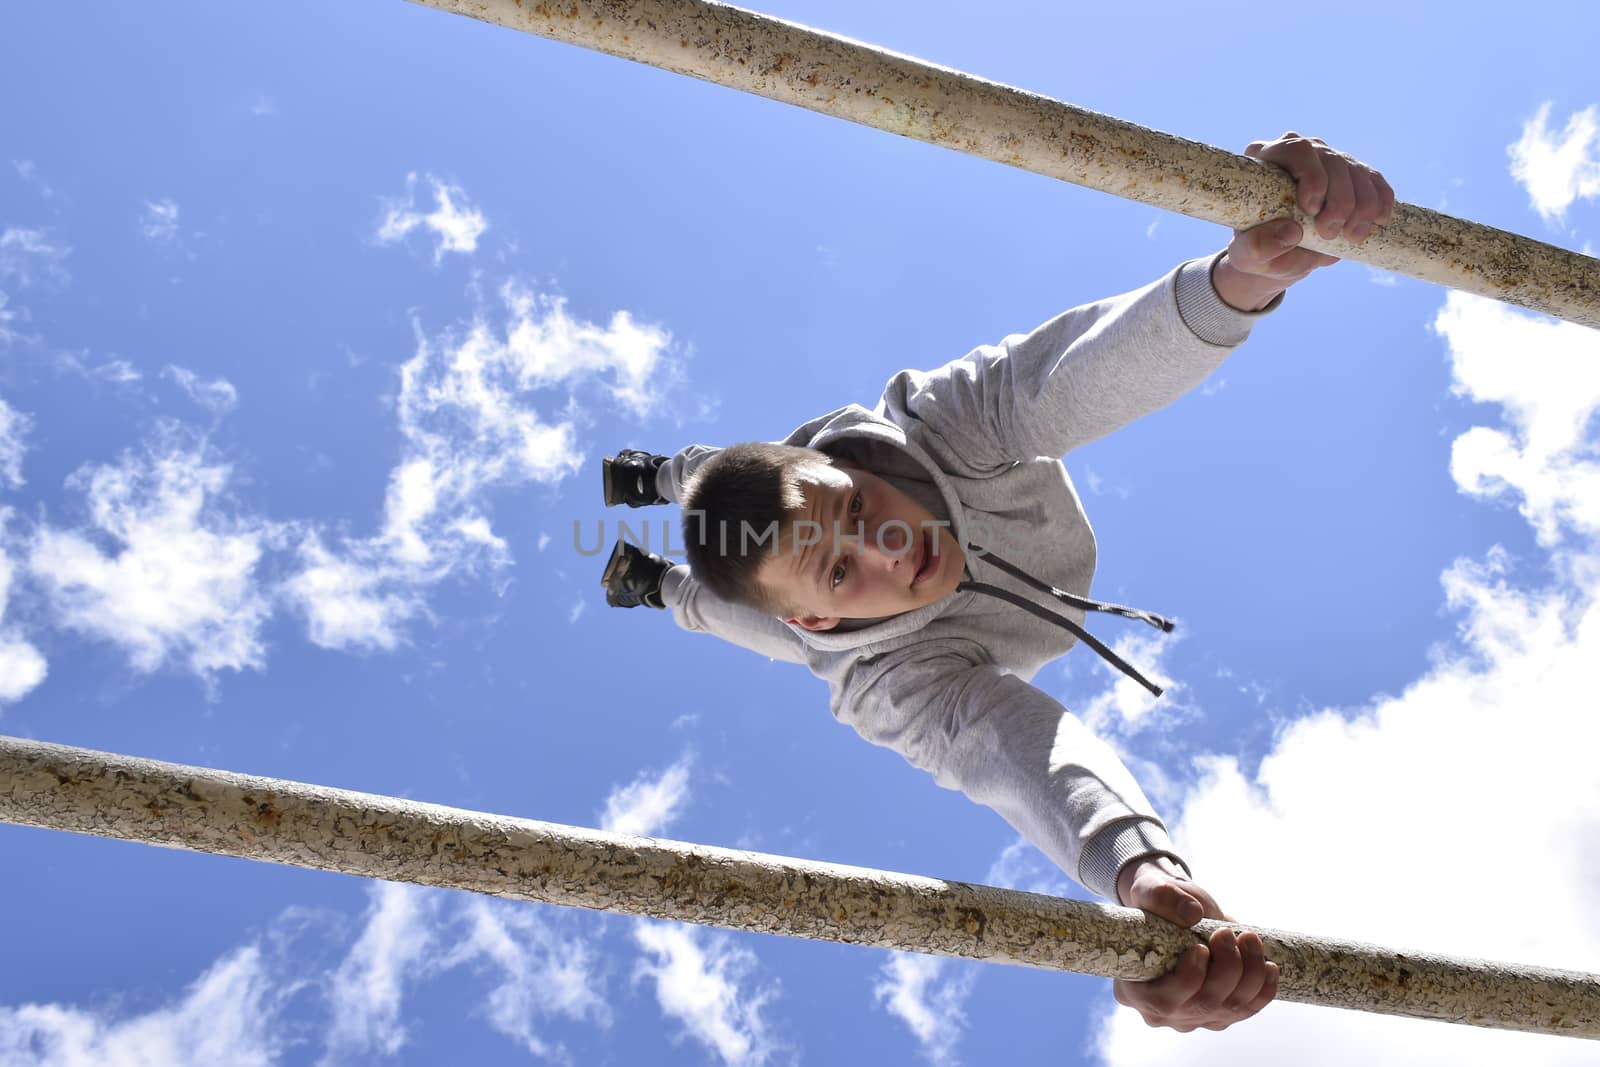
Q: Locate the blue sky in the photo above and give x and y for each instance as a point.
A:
(256, 517)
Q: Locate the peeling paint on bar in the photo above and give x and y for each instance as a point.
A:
(175, 806)
(862, 83)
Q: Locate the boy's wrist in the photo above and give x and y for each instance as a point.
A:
(1241, 291)
(1131, 870)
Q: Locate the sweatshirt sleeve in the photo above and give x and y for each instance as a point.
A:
(698, 610)
(1078, 377)
(672, 475)
(1008, 745)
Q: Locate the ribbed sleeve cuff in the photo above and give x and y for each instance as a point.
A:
(1114, 847)
(672, 583)
(1206, 314)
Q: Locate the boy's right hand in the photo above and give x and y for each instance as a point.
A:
(1213, 986)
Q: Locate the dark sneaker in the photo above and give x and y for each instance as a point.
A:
(630, 478)
(633, 577)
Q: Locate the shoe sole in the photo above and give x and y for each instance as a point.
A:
(613, 497)
(617, 565)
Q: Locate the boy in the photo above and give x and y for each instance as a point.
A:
(927, 557)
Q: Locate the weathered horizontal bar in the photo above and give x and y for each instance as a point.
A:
(204, 810)
(862, 83)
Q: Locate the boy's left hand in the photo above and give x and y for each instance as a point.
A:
(1214, 985)
(1344, 196)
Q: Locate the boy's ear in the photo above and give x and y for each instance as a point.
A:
(813, 622)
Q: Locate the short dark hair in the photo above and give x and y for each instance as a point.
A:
(735, 509)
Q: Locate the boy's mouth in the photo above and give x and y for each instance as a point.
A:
(927, 562)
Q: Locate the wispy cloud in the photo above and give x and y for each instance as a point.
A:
(472, 415)
(916, 990)
(238, 1012)
(10, 317)
(352, 601)
(231, 1014)
(397, 946)
(28, 171)
(13, 428)
(539, 972)
(217, 396)
(1548, 393)
(179, 583)
(703, 981)
(650, 803)
(454, 222)
(1023, 867)
(1558, 168)
(22, 665)
(159, 221)
(117, 371)
(1493, 743)
(27, 255)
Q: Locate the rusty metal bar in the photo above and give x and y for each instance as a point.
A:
(862, 83)
(205, 810)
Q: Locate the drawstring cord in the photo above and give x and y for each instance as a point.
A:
(1161, 623)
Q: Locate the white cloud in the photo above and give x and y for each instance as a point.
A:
(1545, 377)
(649, 805)
(546, 346)
(397, 946)
(218, 396)
(8, 316)
(117, 371)
(22, 666)
(351, 603)
(1461, 815)
(910, 988)
(699, 976)
(1557, 169)
(28, 171)
(180, 584)
(412, 934)
(236, 1013)
(575, 612)
(1126, 707)
(455, 224)
(230, 1015)
(160, 220)
(13, 426)
(539, 972)
(469, 412)
(1023, 867)
(24, 253)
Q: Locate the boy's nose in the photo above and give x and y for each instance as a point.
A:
(889, 552)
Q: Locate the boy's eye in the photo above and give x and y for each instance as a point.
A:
(855, 504)
(838, 574)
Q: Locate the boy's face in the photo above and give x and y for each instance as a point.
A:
(858, 548)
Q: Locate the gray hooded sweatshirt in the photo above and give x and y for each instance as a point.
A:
(975, 441)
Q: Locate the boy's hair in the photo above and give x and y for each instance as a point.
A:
(736, 510)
